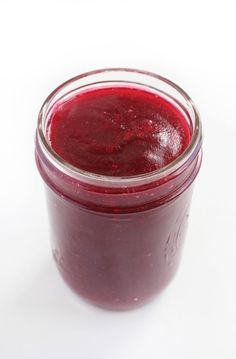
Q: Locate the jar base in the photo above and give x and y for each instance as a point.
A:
(116, 306)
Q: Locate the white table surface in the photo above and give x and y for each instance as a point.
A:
(43, 44)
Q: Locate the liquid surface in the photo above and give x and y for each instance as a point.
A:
(118, 131)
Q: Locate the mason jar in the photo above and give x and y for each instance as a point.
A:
(117, 241)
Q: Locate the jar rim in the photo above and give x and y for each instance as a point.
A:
(85, 176)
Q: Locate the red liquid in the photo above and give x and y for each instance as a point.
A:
(117, 247)
(118, 131)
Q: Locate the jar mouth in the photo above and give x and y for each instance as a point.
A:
(63, 166)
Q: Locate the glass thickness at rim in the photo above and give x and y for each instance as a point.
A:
(85, 176)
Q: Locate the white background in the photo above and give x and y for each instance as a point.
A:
(43, 43)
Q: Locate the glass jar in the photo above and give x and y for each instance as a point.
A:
(117, 241)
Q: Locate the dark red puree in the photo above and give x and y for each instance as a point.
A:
(118, 131)
(117, 246)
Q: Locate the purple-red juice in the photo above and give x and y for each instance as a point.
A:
(118, 247)
(118, 131)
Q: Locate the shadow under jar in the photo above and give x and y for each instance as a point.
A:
(117, 240)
